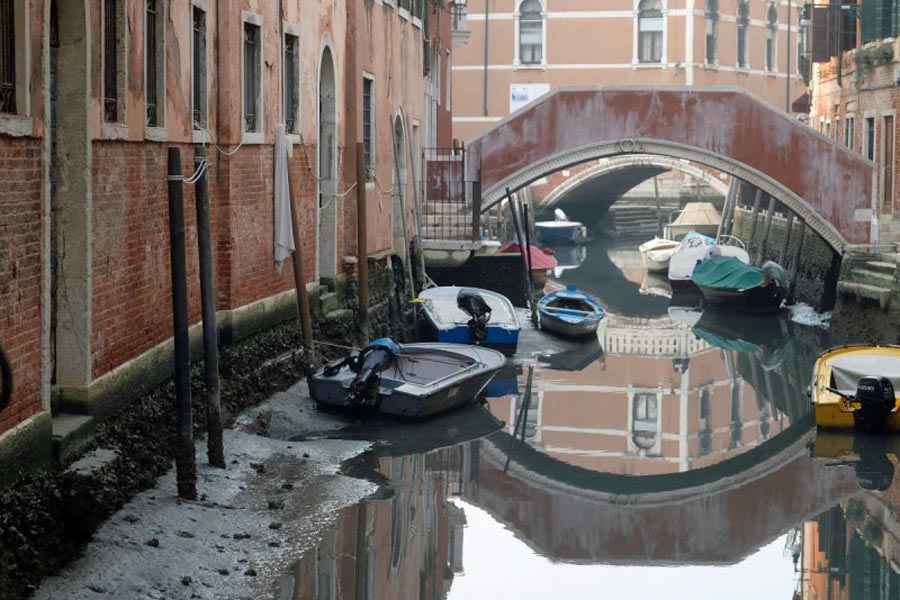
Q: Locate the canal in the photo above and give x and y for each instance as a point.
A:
(674, 457)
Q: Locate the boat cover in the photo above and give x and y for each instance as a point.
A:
(727, 273)
(848, 370)
(541, 259)
(698, 213)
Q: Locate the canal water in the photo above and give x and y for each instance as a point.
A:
(675, 457)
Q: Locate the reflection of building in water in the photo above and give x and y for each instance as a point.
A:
(848, 552)
(663, 402)
(407, 546)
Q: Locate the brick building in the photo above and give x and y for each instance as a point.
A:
(94, 92)
(853, 91)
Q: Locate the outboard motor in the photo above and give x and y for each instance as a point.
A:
(372, 360)
(876, 398)
(471, 303)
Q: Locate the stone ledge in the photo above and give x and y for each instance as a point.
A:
(26, 447)
(864, 291)
(71, 435)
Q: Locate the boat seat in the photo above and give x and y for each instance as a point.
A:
(568, 311)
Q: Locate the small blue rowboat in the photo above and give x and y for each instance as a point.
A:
(471, 316)
(570, 312)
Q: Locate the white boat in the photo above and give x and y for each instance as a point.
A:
(560, 231)
(701, 217)
(695, 248)
(460, 315)
(655, 253)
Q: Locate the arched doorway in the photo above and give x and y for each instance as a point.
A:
(327, 221)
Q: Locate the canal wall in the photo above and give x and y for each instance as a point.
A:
(818, 268)
(49, 514)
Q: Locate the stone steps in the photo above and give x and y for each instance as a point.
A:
(864, 291)
(863, 275)
(71, 435)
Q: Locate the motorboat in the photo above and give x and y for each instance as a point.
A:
(728, 283)
(560, 231)
(853, 387)
(406, 380)
(465, 315)
(873, 457)
(656, 253)
(694, 249)
(570, 312)
(701, 217)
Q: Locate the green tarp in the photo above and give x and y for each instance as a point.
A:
(727, 273)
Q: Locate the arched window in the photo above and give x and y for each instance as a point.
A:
(531, 33)
(771, 37)
(712, 27)
(650, 31)
(644, 414)
(743, 25)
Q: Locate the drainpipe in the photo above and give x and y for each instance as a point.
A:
(787, 85)
(487, 35)
(689, 44)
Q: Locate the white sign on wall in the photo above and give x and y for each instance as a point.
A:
(521, 94)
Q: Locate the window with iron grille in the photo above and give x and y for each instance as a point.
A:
(251, 77)
(712, 30)
(531, 33)
(291, 83)
(368, 149)
(198, 70)
(153, 59)
(650, 31)
(110, 60)
(849, 131)
(771, 37)
(7, 56)
(743, 25)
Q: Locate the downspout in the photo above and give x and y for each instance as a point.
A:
(787, 85)
(218, 94)
(689, 44)
(487, 35)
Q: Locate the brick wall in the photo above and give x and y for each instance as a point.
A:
(132, 282)
(21, 272)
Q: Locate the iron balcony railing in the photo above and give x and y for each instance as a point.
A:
(451, 202)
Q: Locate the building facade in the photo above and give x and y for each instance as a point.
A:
(520, 49)
(93, 93)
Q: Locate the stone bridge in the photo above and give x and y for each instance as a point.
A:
(826, 185)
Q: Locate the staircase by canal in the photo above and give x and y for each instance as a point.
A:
(871, 278)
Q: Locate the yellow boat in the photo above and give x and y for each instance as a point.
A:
(854, 387)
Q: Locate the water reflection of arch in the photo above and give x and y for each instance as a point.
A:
(715, 515)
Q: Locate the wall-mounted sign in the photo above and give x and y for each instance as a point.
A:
(521, 94)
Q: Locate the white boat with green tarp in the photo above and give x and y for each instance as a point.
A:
(728, 283)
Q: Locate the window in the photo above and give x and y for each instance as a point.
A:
(291, 83)
(112, 56)
(771, 38)
(437, 75)
(531, 33)
(154, 59)
(869, 138)
(828, 128)
(644, 414)
(712, 27)
(743, 25)
(448, 80)
(368, 147)
(849, 131)
(7, 56)
(252, 44)
(650, 31)
(198, 67)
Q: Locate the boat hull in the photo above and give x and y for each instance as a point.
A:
(445, 323)
(831, 411)
(498, 338)
(570, 313)
(568, 329)
(555, 233)
(765, 299)
(403, 399)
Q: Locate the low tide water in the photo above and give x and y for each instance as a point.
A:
(673, 457)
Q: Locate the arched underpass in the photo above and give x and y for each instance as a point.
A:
(826, 185)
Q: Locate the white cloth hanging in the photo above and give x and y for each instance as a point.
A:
(284, 235)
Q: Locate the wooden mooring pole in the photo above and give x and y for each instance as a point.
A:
(757, 200)
(300, 279)
(526, 224)
(185, 458)
(362, 243)
(767, 227)
(215, 451)
(795, 263)
(514, 211)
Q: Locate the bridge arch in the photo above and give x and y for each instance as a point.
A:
(828, 186)
(620, 163)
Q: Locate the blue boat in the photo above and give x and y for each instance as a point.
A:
(570, 312)
(464, 315)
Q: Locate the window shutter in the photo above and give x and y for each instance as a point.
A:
(820, 49)
(867, 20)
